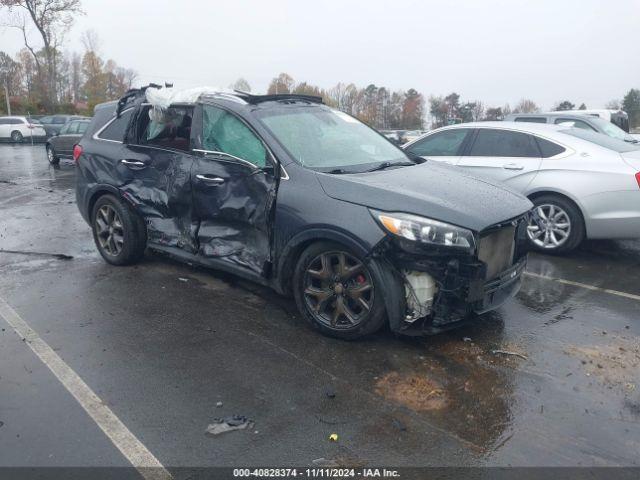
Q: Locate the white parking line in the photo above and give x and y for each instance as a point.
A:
(142, 459)
(586, 286)
(15, 197)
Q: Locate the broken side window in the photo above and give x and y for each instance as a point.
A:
(167, 128)
(115, 130)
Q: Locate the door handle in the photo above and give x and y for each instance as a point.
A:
(210, 180)
(513, 166)
(133, 164)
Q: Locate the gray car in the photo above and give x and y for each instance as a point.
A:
(61, 145)
(584, 184)
(584, 121)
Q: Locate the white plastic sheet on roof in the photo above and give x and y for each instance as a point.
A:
(163, 97)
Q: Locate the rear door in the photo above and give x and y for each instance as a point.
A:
(443, 146)
(65, 140)
(154, 168)
(234, 187)
(503, 155)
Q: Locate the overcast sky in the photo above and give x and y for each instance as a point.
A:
(496, 51)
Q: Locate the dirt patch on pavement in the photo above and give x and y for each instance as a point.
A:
(417, 392)
(616, 363)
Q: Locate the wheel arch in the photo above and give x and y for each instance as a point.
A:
(569, 198)
(98, 192)
(295, 246)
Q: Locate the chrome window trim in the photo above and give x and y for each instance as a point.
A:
(283, 176)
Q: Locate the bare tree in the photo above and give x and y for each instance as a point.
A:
(613, 105)
(52, 19)
(241, 84)
(526, 106)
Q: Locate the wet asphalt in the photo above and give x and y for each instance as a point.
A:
(161, 343)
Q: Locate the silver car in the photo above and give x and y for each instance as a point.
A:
(583, 184)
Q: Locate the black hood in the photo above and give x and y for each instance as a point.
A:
(431, 190)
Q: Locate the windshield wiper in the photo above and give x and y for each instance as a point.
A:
(338, 171)
(384, 165)
(631, 140)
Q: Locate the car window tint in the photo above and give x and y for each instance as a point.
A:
(224, 132)
(82, 127)
(446, 143)
(46, 120)
(570, 122)
(549, 149)
(4, 121)
(116, 129)
(16, 121)
(59, 119)
(65, 129)
(531, 119)
(73, 127)
(503, 143)
(168, 128)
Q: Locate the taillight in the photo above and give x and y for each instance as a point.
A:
(638, 178)
(77, 151)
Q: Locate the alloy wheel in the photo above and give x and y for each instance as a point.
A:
(338, 290)
(109, 230)
(50, 155)
(16, 137)
(551, 229)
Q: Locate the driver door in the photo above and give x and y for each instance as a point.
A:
(234, 188)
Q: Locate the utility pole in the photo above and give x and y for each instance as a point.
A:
(6, 97)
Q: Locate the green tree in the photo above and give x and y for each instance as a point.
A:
(564, 105)
(582, 107)
(631, 105)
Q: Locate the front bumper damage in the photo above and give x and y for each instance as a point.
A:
(441, 290)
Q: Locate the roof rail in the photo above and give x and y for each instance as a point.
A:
(254, 99)
(131, 94)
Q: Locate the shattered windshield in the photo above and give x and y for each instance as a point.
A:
(326, 139)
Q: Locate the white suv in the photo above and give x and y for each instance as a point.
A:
(16, 129)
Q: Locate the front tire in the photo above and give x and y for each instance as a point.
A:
(17, 137)
(51, 155)
(559, 227)
(118, 232)
(337, 293)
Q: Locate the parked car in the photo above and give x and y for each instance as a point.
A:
(289, 193)
(587, 122)
(61, 145)
(17, 129)
(54, 123)
(584, 184)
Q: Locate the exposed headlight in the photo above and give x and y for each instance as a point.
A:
(425, 230)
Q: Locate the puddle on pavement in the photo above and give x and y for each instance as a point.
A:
(460, 385)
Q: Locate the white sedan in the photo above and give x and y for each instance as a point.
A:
(584, 184)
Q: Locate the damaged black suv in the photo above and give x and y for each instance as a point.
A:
(287, 192)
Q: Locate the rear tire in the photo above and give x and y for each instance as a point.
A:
(51, 156)
(337, 293)
(560, 228)
(119, 233)
(16, 137)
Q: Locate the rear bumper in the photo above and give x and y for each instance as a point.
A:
(613, 215)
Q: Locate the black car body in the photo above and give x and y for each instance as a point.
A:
(265, 219)
(61, 144)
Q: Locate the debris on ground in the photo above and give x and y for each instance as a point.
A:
(417, 392)
(324, 463)
(466, 339)
(182, 279)
(507, 352)
(333, 437)
(1, 424)
(228, 424)
(330, 392)
(59, 256)
(218, 404)
(615, 363)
